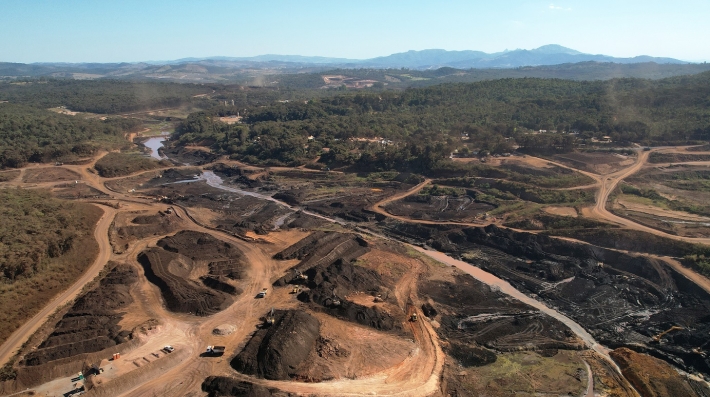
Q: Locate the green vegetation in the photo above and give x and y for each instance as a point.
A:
(99, 96)
(122, 164)
(657, 158)
(506, 190)
(552, 222)
(656, 199)
(436, 190)
(45, 244)
(34, 135)
(418, 129)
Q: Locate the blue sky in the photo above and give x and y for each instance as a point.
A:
(129, 30)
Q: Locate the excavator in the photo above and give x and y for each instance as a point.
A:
(657, 338)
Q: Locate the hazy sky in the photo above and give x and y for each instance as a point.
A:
(129, 30)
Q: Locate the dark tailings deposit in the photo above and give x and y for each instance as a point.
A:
(621, 299)
(170, 264)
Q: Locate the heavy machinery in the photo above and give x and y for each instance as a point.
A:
(296, 289)
(300, 276)
(413, 317)
(657, 338)
(271, 318)
(214, 351)
(262, 293)
(378, 298)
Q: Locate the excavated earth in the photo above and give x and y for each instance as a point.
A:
(134, 226)
(222, 386)
(439, 208)
(91, 325)
(623, 300)
(326, 261)
(196, 273)
(652, 377)
(334, 195)
(277, 351)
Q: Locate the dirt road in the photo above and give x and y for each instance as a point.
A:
(15, 341)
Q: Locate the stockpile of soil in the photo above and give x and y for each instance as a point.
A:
(276, 351)
(327, 287)
(654, 378)
(199, 246)
(130, 227)
(326, 261)
(180, 293)
(170, 265)
(91, 325)
(222, 386)
(322, 249)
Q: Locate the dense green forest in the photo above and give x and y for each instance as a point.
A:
(419, 128)
(99, 96)
(28, 134)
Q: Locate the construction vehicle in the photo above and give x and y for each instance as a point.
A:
(271, 318)
(657, 338)
(262, 293)
(300, 276)
(215, 350)
(335, 301)
(413, 317)
(168, 349)
(296, 290)
(378, 298)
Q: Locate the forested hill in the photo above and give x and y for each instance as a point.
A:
(28, 134)
(431, 121)
(100, 96)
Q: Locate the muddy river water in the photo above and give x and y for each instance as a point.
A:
(154, 144)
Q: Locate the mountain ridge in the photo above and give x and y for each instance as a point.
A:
(550, 54)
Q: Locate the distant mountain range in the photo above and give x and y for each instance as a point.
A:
(551, 54)
(477, 64)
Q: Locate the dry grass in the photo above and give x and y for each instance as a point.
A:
(21, 299)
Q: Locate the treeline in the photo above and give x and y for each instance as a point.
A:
(28, 134)
(99, 96)
(420, 128)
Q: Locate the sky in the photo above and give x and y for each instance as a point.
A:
(154, 30)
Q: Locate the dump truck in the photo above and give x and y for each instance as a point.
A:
(214, 350)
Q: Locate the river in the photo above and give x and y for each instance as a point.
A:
(156, 143)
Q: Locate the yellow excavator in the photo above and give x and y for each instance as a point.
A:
(657, 338)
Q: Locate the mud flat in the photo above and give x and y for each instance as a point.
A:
(195, 272)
